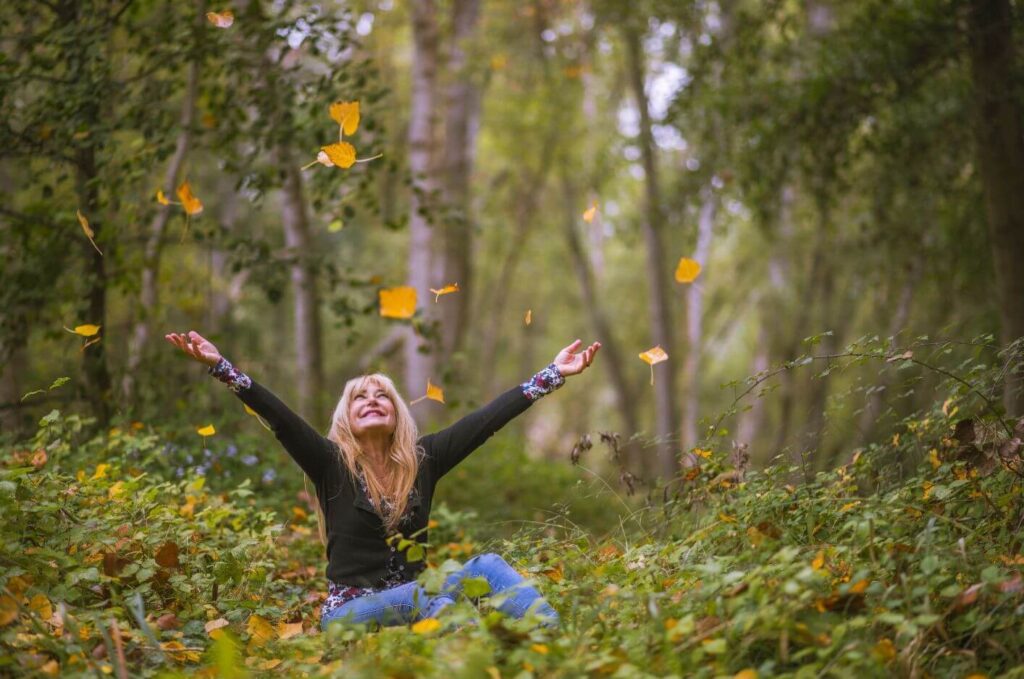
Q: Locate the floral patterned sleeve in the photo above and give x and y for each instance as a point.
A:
(230, 375)
(543, 383)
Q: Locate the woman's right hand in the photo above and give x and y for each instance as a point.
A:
(196, 346)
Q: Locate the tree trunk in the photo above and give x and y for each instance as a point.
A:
(419, 356)
(611, 354)
(750, 421)
(462, 117)
(658, 308)
(695, 323)
(308, 355)
(149, 290)
(1000, 149)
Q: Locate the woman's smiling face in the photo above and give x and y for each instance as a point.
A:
(371, 410)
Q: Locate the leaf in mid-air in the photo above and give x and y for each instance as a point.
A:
(687, 270)
(653, 355)
(192, 205)
(346, 114)
(590, 213)
(446, 290)
(341, 154)
(208, 430)
(87, 230)
(528, 318)
(398, 302)
(86, 330)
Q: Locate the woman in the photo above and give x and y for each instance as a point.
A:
(375, 480)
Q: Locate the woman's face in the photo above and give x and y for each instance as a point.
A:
(371, 411)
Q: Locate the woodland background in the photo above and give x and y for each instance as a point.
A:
(849, 176)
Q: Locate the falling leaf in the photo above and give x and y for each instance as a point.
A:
(336, 225)
(167, 555)
(161, 198)
(341, 154)
(323, 159)
(221, 19)
(590, 213)
(192, 205)
(215, 624)
(88, 230)
(653, 355)
(529, 317)
(426, 626)
(398, 302)
(260, 630)
(446, 290)
(287, 630)
(208, 430)
(434, 393)
(346, 114)
(687, 270)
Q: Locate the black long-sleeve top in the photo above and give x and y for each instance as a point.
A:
(358, 552)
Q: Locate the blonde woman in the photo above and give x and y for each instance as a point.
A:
(375, 479)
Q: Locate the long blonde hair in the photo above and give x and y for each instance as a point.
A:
(389, 495)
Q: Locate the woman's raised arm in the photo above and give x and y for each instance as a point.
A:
(448, 447)
(314, 453)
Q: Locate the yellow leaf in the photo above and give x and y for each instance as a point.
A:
(849, 505)
(499, 62)
(446, 290)
(726, 518)
(539, 648)
(928, 486)
(426, 626)
(192, 205)
(336, 225)
(87, 330)
(8, 609)
(700, 452)
(818, 562)
(398, 302)
(341, 154)
(434, 393)
(88, 230)
(346, 114)
(287, 630)
(260, 630)
(859, 587)
(529, 317)
(161, 198)
(885, 649)
(101, 472)
(748, 673)
(221, 19)
(115, 490)
(687, 270)
(177, 651)
(590, 213)
(268, 664)
(933, 458)
(653, 355)
(208, 430)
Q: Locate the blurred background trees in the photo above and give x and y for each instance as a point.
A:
(843, 172)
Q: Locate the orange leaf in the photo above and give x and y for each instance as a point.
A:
(859, 587)
(529, 317)
(287, 630)
(192, 205)
(687, 270)
(748, 673)
(398, 302)
(434, 393)
(341, 154)
(89, 233)
(221, 19)
(446, 290)
(590, 213)
(260, 630)
(426, 626)
(819, 561)
(346, 114)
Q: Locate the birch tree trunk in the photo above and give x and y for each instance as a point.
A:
(695, 323)
(462, 117)
(308, 355)
(419, 358)
(149, 289)
(658, 308)
(1000, 152)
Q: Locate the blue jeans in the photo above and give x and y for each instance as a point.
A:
(410, 602)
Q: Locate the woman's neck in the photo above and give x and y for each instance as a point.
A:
(375, 452)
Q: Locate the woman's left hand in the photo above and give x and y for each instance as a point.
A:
(572, 361)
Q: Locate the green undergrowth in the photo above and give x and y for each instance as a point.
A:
(860, 571)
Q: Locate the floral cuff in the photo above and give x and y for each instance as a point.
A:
(543, 383)
(230, 375)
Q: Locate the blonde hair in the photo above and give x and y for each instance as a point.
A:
(390, 494)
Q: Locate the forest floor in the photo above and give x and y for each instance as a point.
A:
(878, 568)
